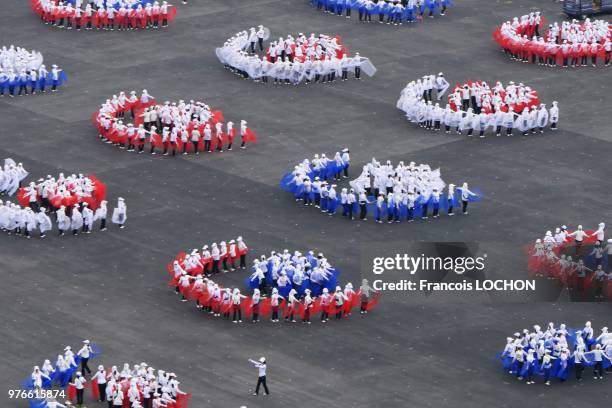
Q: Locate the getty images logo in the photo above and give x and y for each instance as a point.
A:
(442, 267)
(425, 263)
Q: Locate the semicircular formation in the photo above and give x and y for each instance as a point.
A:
(393, 12)
(284, 285)
(572, 43)
(22, 72)
(475, 107)
(578, 259)
(105, 14)
(66, 380)
(553, 353)
(382, 192)
(183, 127)
(291, 60)
(69, 203)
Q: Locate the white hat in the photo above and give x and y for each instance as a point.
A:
(262, 360)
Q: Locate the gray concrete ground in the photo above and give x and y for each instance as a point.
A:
(435, 351)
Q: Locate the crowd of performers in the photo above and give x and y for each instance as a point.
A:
(67, 191)
(291, 60)
(382, 191)
(140, 386)
(553, 353)
(569, 43)
(475, 107)
(22, 72)
(24, 221)
(394, 12)
(67, 367)
(75, 201)
(183, 127)
(284, 285)
(580, 259)
(105, 14)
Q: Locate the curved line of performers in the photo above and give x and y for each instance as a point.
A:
(555, 352)
(31, 81)
(211, 260)
(70, 14)
(231, 304)
(24, 221)
(395, 12)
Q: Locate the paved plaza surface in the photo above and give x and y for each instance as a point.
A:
(413, 350)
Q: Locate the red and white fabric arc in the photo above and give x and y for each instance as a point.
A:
(534, 99)
(120, 136)
(93, 201)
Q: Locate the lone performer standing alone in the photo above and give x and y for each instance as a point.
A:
(261, 380)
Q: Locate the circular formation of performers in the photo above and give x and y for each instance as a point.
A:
(553, 353)
(474, 107)
(394, 12)
(284, 285)
(22, 72)
(105, 14)
(183, 127)
(580, 259)
(569, 43)
(382, 191)
(291, 60)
